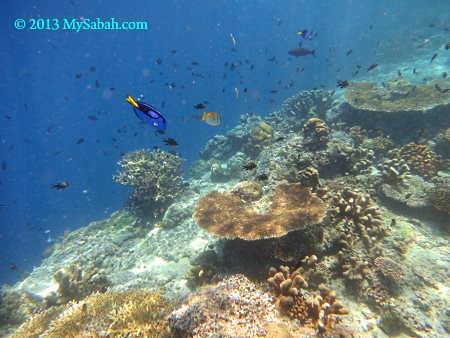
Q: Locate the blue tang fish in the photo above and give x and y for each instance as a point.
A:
(148, 113)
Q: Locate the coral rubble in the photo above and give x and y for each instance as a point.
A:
(290, 208)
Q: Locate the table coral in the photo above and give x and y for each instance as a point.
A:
(310, 102)
(291, 207)
(155, 176)
(397, 97)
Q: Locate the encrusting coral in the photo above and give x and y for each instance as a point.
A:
(291, 207)
(392, 271)
(155, 176)
(134, 313)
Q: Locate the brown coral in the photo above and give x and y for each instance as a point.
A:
(394, 171)
(317, 132)
(291, 207)
(135, 313)
(248, 191)
(262, 134)
(392, 271)
(420, 158)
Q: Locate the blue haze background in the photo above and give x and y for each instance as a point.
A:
(45, 108)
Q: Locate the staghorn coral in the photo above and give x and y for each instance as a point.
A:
(420, 158)
(394, 171)
(73, 284)
(155, 176)
(391, 271)
(134, 313)
(316, 132)
(364, 217)
(310, 103)
(262, 134)
(291, 207)
(398, 97)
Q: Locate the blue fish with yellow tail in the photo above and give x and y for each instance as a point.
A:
(148, 113)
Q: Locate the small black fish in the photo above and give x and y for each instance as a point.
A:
(372, 67)
(60, 185)
(273, 91)
(194, 63)
(414, 71)
(12, 266)
(97, 84)
(92, 68)
(433, 57)
(159, 132)
(422, 132)
(4, 165)
(158, 61)
(92, 117)
(173, 51)
(444, 75)
(399, 73)
(8, 117)
(393, 222)
(249, 166)
(349, 52)
(80, 140)
(199, 106)
(2, 206)
(171, 142)
(447, 46)
(342, 84)
(77, 76)
(262, 177)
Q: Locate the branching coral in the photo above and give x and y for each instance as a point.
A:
(317, 133)
(310, 102)
(155, 176)
(135, 313)
(420, 158)
(398, 96)
(318, 310)
(439, 194)
(394, 171)
(364, 217)
(291, 207)
(262, 134)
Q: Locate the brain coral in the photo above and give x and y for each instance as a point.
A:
(399, 96)
(290, 208)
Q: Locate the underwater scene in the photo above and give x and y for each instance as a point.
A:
(225, 168)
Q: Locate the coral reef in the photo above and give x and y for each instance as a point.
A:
(262, 134)
(394, 171)
(74, 284)
(365, 218)
(420, 158)
(439, 194)
(392, 271)
(135, 313)
(358, 134)
(316, 132)
(290, 208)
(235, 307)
(155, 176)
(310, 103)
(398, 96)
(355, 270)
(248, 191)
(381, 144)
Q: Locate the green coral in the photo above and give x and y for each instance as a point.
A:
(155, 176)
(262, 134)
(135, 313)
(400, 95)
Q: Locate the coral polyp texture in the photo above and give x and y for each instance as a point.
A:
(420, 158)
(155, 176)
(310, 102)
(390, 270)
(262, 134)
(291, 207)
(135, 313)
(399, 95)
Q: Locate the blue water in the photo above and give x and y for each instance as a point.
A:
(45, 108)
